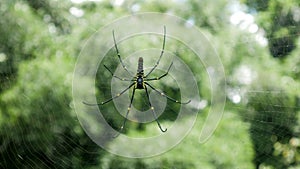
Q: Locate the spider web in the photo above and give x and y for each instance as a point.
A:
(272, 101)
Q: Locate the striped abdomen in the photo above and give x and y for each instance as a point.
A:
(140, 66)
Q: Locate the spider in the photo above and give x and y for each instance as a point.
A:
(140, 82)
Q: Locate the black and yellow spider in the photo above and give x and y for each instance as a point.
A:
(140, 81)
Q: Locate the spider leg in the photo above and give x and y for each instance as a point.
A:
(123, 79)
(157, 78)
(153, 112)
(161, 54)
(128, 110)
(168, 97)
(108, 100)
(119, 56)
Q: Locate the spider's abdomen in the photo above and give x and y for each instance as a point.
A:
(140, 75)
(140, 69)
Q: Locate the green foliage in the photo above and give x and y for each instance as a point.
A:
(230, 147)
(272, 110)
(32, 37)
(52, 12)
(280, 20)
(274, 126)
(38, 128)
(40, 41)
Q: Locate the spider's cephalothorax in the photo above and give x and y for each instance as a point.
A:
(140, 81)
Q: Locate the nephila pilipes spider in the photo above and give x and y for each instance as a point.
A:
(140, 81)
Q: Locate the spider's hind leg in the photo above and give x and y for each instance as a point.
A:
(153, 112)
(128, 110)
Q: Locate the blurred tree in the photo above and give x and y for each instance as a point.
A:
(52, 12)
(281, 22)
(272, 122)
(229, 147)
(38, 127)
(32, 36)
(274, 111)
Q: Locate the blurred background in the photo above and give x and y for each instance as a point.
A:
(256, 40)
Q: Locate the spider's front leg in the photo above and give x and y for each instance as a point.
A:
(119, 55)
(161, 54)
(158, 78)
